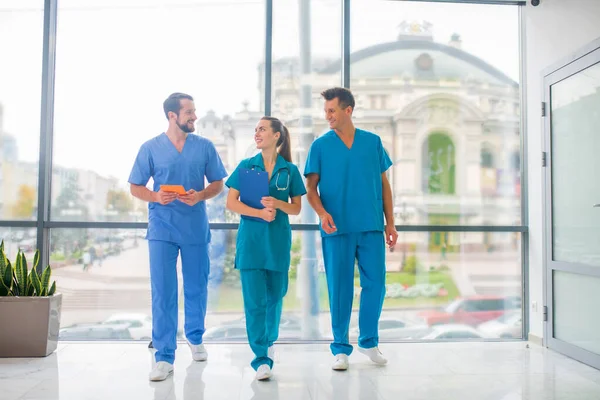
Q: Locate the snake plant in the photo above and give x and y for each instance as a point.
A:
(16, 280)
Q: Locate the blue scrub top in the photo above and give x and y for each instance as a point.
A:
(262, 245)
(159, 159)
(350, 180)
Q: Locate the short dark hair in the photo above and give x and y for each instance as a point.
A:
(344, 96)
(173, 103)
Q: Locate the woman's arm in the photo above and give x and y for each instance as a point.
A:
(292, 208)
(234, 204)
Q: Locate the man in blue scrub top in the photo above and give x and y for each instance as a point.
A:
(177, 224)
(349, 190)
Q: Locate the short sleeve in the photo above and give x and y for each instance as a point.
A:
(384, 159)
(215, 171)
(297, 187)
(313, 160)
(234, 179)
(142, 167)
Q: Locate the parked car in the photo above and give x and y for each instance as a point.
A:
(139, 325)
(289, 327)
(451, 331)
(226, 333)
(95, 332)
(472, 310)
(393, 329)
(506, 326)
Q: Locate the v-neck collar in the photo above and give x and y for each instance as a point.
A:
(258, 162)
(342, 142)
(170, 143)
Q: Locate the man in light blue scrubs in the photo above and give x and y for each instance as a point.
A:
(177, 223)
(349, 190)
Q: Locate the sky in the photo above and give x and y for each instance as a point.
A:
(117, 60)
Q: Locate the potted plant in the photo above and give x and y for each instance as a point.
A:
(29, 308)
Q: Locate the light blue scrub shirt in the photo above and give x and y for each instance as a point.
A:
(262, 245)
(350, 180)
(159, 159)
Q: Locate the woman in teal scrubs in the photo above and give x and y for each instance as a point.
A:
(263, 247)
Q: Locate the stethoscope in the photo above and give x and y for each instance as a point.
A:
(287, 184)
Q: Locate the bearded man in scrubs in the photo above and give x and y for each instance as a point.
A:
(177, 224)
(349, 190)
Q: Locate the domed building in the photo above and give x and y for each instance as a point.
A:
(448, 120)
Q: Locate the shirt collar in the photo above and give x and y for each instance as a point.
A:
(257, 162)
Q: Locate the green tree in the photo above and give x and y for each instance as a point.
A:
(119, 201)
(69, 206)
(296, 256)
(25, 205)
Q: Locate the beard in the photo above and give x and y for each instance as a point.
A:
(186, 128)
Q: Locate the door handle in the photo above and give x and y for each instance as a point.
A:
(596, 205)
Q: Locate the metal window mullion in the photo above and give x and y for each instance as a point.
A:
(346, 43)
(46, 129)
(523, 175)
(17, 224)
(268, 75)
(294, 227)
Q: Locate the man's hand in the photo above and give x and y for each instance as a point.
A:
(268, 214)
(391, 236)
(164, 198)
(327, 223)
(191, 198)
(270, 202)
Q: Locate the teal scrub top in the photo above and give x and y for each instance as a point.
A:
(262, 245)
(350, 184)
(158, 159)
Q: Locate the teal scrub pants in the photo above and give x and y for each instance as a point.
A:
(339, 254)
(195, 266)
(263, 291)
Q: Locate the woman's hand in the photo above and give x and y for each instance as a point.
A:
(270, 202)
(268, 214)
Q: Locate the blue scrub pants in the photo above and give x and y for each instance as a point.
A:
(263, 291)
(195, 265)
(340, 253)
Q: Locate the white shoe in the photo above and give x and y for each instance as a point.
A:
(161, 371)
(374, 354)
(340, 363)
(198, 352)
(263, 373)
(271, 353)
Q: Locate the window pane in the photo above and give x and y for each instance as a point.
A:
(104, 276)
(575, 118)
(482, 283)
(16, 239)
(111, 84)
(575, 300)
(306, 61)
(21, 24)
(441, 87)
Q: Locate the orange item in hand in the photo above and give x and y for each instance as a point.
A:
(173, 189)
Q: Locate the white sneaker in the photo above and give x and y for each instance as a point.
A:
(263, 373)
(198, 352)
(161, 371)
(374, 354)
(271, 353)
(340, 363)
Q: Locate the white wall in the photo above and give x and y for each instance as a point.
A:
(554, 29)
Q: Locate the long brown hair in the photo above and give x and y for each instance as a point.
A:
(283, 144)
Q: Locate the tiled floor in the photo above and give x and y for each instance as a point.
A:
(429, 371)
